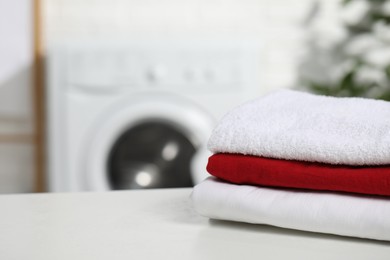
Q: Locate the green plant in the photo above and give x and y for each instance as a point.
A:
(356, 65)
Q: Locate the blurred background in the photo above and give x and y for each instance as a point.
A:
(123, 94)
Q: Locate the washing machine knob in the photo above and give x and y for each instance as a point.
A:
(209, 75)
(156, 74)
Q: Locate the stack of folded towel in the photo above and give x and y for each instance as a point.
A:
(301, 161)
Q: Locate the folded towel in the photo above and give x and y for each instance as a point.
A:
(244, 169)
(300, 126)
(341, 214)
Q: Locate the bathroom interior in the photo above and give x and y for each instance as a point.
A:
(210, 55)
(194, 129)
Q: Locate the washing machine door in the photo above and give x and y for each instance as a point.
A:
(151, 143)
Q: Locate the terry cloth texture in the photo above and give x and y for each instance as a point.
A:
(342, 214)
(299, 126)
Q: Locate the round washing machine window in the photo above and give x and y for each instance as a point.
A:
(152, 154)
(150, 142)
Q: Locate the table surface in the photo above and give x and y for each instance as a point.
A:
(153, 224)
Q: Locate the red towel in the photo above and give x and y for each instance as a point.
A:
(242, 169)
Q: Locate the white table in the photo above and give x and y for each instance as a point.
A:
(155, 224)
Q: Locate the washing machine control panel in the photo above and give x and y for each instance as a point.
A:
(161, 67)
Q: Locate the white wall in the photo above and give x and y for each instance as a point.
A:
(16, 158)
(276, 23)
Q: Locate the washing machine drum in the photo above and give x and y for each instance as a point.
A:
(152, 142)
(151, 155)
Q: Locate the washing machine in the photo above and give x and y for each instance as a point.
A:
(138, 114)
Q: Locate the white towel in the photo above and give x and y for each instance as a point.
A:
(342, 214)
(299, 126)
